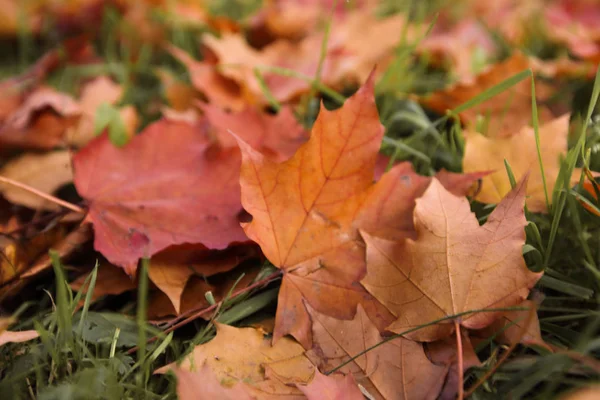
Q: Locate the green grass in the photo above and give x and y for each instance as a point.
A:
(100, 350)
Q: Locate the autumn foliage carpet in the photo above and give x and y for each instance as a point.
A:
(299, 199)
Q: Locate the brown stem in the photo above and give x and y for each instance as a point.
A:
(43, 195)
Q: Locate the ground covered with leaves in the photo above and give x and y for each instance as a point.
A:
(299, 199)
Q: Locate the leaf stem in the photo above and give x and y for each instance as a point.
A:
(43, 195)
(459, 351)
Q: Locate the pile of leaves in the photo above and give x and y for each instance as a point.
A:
(299, 199)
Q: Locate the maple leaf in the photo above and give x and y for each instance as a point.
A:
(395, 369)
(244, 357)
(508, 328)
(506, 111)
(100, 91)
(485, 153)
(307, 212)
(575, 24)
(41, 121)
(276, 136)
(171, 269)
(44, 172)
(110, 280)
(331, 387)
(167, 186)
(464, 47)
(443, 352)
(453, 266)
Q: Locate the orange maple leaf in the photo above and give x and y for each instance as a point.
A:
(307, 212)
(396, 367)
(453, 266)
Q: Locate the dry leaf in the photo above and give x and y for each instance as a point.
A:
(443, 352)
(586, 393)
(453, 266)
(41, 122)
(397, 369)
(465, 46)
(17, 254)
(507, 111)
(508, 328)
(168, 186)
(171, 269)
(243, 357)
(307, 212)
(488, 154)
(64, 247)
(203, 384)
(110, 280)
(276, 136)
(44, 172)
(332, 387)
(100, 90)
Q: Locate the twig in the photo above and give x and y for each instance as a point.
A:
(459, 351)
(507, 353)
(43, 195)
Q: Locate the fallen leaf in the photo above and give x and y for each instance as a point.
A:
(303, 211)
(307, 212)
(465, 46)
(508, 328)
(331, 387)
(110, 280)
(242, 357)
(41, 121)
(507, 112)
(167, 186)
(171, 269)
(397, 369)
(219, 90)
(443, 352)
(276, 136)
(587, 393)
(94, 93)
(204, 385)
(575, 24)
(489, 153)
(17, 253)
(64, 247)
(44, 172)
(453, 266)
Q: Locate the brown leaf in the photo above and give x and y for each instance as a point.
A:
(508, 328)
(508, 111)
(18, 253)
(94, 93)
(243, 357)
(488, 154)
(276, 136)
(41, 122)
(64, 247)
(171, 269)
(44, 172)
(587, 393)
(110, 280)
(331, 387)
(307, 212)
(443, 352)
(193, 296)
(167, 186)
(203, 384)
(397, 369)
(453, 266)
